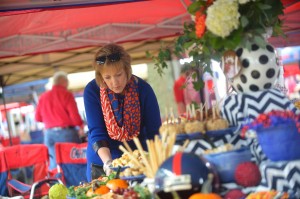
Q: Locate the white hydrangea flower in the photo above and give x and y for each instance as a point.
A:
(244, 1)
(223, 17)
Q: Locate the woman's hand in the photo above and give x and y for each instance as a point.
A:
(106, 167)
(104, 154)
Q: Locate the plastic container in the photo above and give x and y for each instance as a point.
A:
(226, 162)
(281, 142)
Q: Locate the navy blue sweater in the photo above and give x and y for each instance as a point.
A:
(150, 121)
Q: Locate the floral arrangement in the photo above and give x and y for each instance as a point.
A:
(221, 25)
(271, 119)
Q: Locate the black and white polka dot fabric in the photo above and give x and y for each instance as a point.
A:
(259, 71)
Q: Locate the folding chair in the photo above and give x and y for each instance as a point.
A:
(3, 174)
(71, 162)
(6, 141)
(27, 170)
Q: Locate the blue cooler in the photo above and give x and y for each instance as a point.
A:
(226, 162)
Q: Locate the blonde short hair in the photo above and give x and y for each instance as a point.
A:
(123, 63)
(58, 76)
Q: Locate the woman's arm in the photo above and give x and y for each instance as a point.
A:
(150, 110)
(97, 130)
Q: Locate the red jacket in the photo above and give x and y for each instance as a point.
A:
(178, 89)
(57, 108)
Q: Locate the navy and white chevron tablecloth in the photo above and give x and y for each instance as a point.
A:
(281, 176)
(241, 107)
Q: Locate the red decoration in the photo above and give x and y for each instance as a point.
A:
(200, 24)
(234, 194)
(247, 174)
(272, 118)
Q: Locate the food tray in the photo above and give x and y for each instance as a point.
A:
(134, 178)
(222, 132)
(181, 137)
(210, 134)
(116, 168)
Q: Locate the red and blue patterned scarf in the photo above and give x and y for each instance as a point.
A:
(121, 113)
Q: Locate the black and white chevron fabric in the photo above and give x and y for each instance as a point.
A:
(258, 155)
(237, 108)
(198, 146)
(281, 176)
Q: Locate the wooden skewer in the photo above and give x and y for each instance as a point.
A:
(206, 110)
(140, 148)
(127, 147)
(186, 142)
(172, 115)
(167, 116)
(163, 138)
(187, 112)
(157, 164)
(201, 112)
(218, 109)
(151, 154)
(158, 147)
(164, 148)
(169, 145)
(213, 112)
(193, 111)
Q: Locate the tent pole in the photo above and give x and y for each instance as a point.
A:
(4, 103)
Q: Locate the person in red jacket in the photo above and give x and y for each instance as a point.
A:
(57, 109)
(178, 89)
(184, 91)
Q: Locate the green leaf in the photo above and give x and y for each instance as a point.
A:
(248, 45)
(264, 6)
(244, 21)
(207, 69)
(143, 192)
(198, 84)
(260, 41)
(194, 7)
(216, 42)
(260, 31)
(187, 45)
(194, 76)
(148, 54)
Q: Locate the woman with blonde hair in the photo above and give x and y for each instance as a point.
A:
(119, 106)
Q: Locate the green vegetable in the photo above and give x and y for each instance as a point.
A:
(58, 191)
(71, 191)
(143, 192)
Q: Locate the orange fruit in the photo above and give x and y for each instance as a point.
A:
(205, 196)
(99, 191)
(102, 190)
(114, 184)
